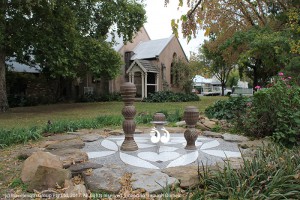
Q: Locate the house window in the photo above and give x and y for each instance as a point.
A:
(127, 57)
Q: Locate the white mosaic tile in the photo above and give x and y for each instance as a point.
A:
(223, 154)
(184, 160)
(119, 142)
(142, 140)
(154, 157)
(197, 143)
(143, 146)
(209, 145)
(166, 148)
(135, 161)
(99, 154)
(110, 145)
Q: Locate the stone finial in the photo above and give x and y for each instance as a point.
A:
(128, 92)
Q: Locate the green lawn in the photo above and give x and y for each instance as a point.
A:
(39, 115)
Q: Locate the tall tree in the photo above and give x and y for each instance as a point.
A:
(65, 37)
(218, 67)
(226, 19)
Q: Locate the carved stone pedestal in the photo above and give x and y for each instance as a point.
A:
(128, 92)
(191, 116)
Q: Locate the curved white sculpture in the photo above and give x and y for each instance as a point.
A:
(156, 135)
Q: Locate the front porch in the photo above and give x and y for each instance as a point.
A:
(145, 76)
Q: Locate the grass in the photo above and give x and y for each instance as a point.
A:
(26, 117)
(273, 173)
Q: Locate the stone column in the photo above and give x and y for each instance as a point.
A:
(146, 84)
(157, 83)
(191, 116)
(128, 92)
(143, 84)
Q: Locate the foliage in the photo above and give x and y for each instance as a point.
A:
(273, 173)
(66, 38)
(182, 74)
(172, 117)
(18, 183)
(218, 67)
(293, 69)
(229, 109)
(168, 96)
(101, 98)
(15, 136)
(261, 52)
(146, 118)
(275, 112)
(258, 36)
(62, 126)
(233, 78)
(293, 24)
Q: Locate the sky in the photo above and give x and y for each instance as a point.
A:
(159, 19)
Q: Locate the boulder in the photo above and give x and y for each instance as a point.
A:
(90, 137)
(201, 126)
(48, 177)
(181, 123)
(60, 137)
(212, 134)
(187, 175)
(70, 156)
(234, 138)
(105, 179)
(66, 144)
(153, 181)
(80, 167)
(209, 124)
(24, 154)
(75, 192)
(39, 159)
(116, 132)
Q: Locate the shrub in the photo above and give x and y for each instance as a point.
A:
(273, 173)
(275, 112)
(89, 97)
(228, 109)
(168, 96)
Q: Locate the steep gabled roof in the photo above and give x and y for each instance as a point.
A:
(150, 49)
(117, 41)
(144, 65)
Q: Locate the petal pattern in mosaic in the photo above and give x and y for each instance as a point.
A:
(209, 145)
(184, 160)
(110, 145)
(166, 148)
(154, 157)
(135, 161)
(144, 146)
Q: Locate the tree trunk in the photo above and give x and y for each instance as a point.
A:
(255, 72)
(3, 96)
(223, 87)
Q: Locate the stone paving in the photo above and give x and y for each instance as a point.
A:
(153, 166)
(152, 156)
(96, 156)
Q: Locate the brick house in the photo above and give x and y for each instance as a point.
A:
(147, 63)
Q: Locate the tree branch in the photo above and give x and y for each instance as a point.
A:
(255, 11)
(244, 11)
(193, 10)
